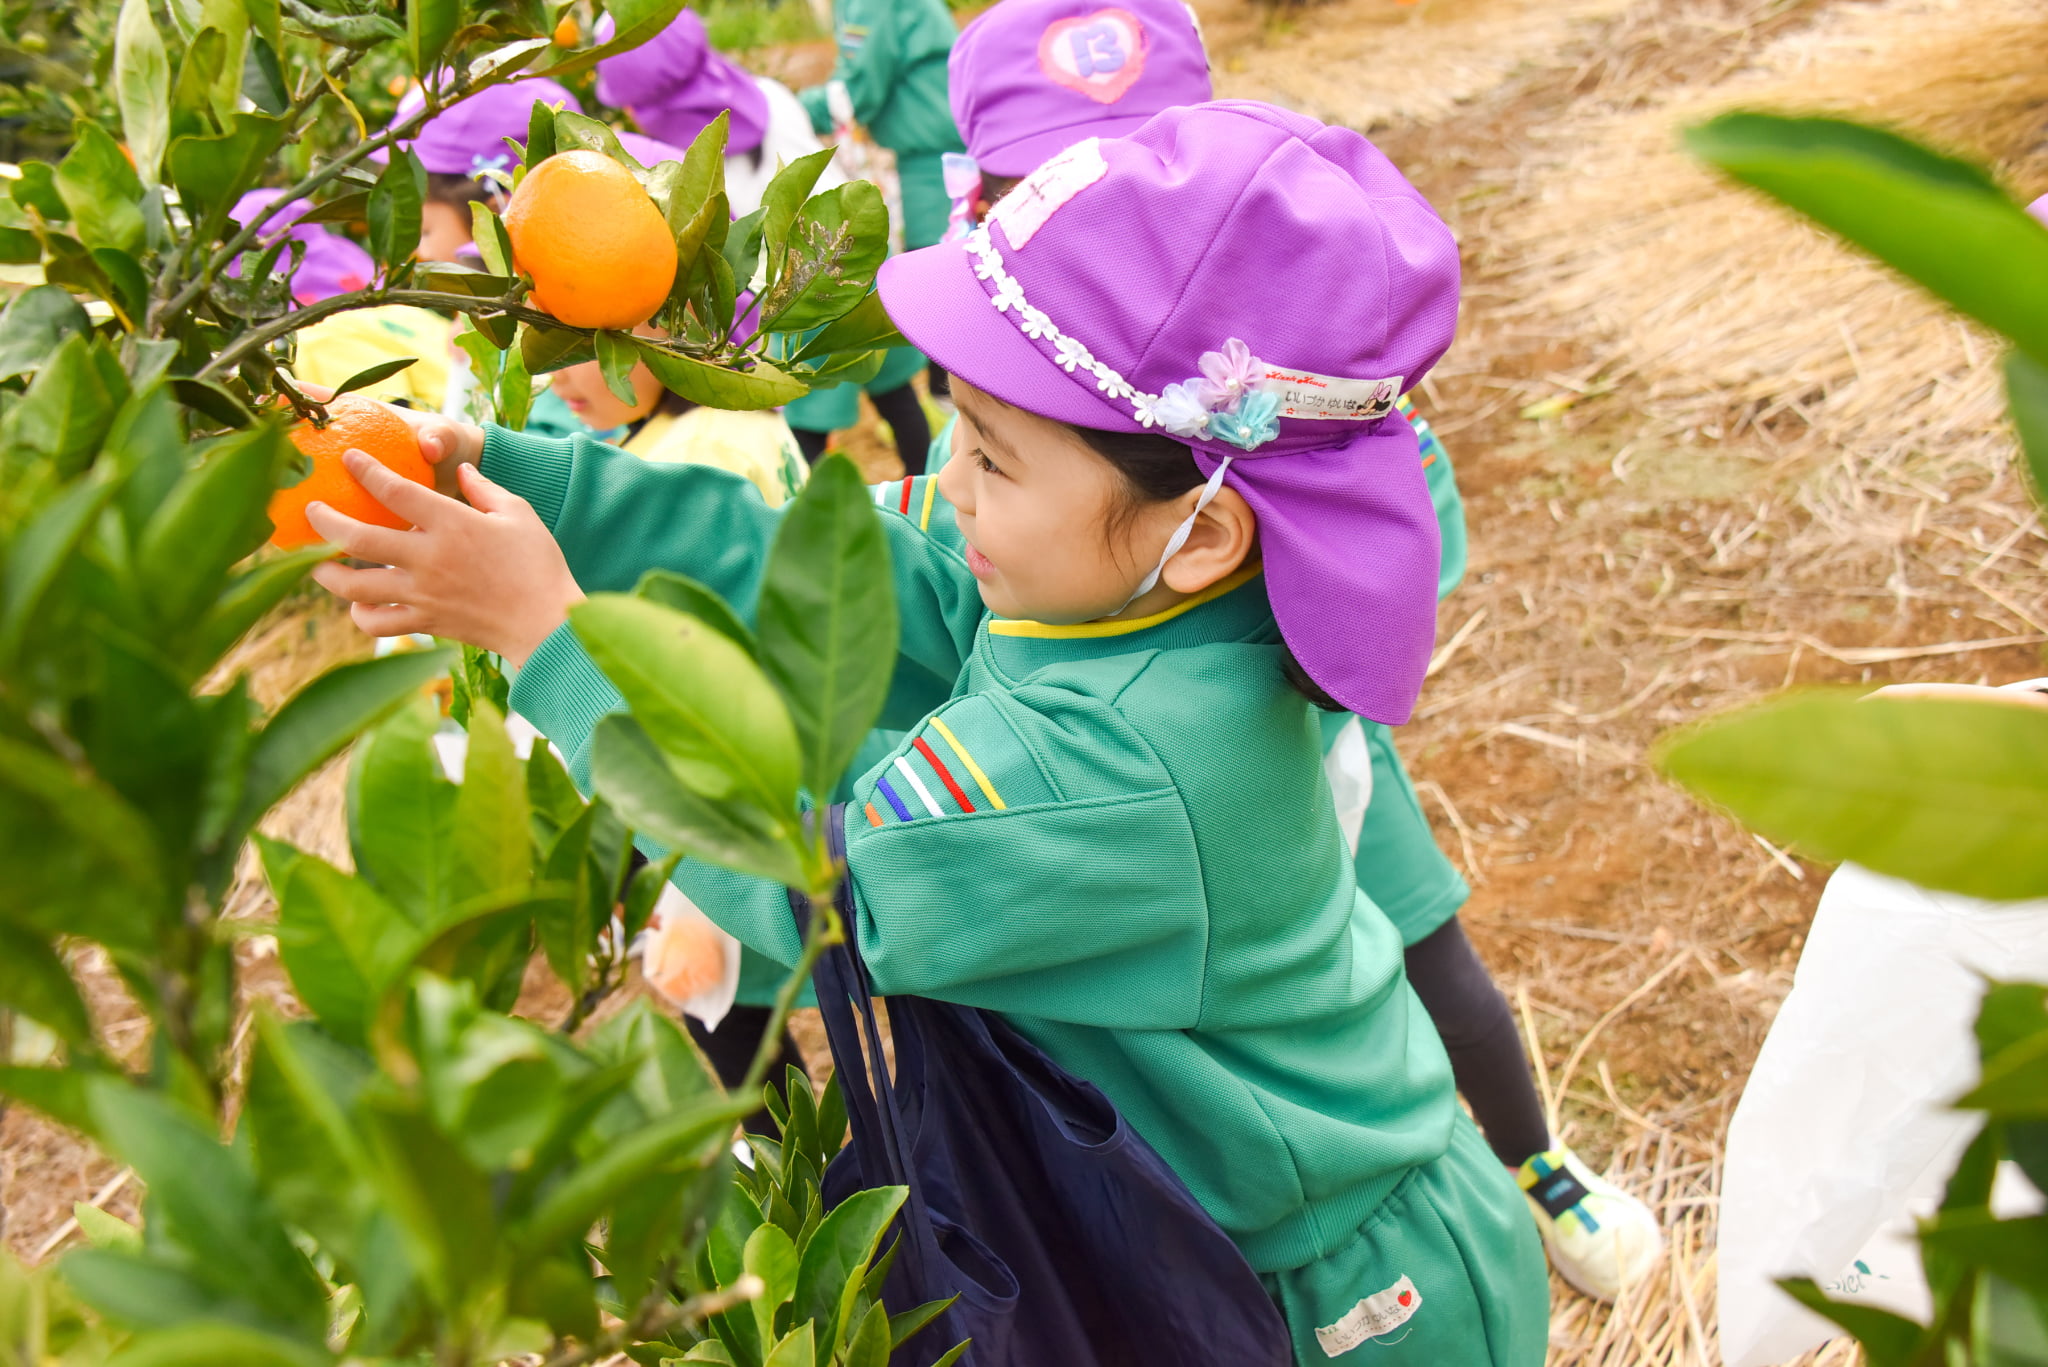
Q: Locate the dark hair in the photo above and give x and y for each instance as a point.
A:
(993, 188)
(1156, 468)
(446, 188)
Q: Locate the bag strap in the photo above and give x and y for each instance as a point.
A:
(881, 1140)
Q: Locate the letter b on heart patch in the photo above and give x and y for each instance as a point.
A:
(1100, 54)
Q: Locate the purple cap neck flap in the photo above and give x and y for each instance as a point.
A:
(675, 84)
(1262, 287)
(331, 265)
(468, 139)
(1030, 77)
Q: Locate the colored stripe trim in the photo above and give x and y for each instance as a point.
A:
(882, 495)
(931, 491)
(924, 794)
(988, 790)
(904, 506)
(1051, 631)
(895, 802)
(874, 818)
(1432, 459)
(938, 767)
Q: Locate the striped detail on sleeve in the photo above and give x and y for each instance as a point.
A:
(1425, 435)
(935, 778)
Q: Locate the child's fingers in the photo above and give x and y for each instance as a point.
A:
(389, 619)
(364, 540)
(487, 495)
(416, 503)
(380, 585)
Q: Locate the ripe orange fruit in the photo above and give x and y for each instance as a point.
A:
(353, 423)
(566, 32)
(599, 253)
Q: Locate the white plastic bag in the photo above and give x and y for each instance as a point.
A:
(1844, 1134)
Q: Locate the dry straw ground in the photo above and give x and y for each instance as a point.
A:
(1706, 453)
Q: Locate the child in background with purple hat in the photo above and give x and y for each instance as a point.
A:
(467, 162)
(1185, 522)
(672, 87)
(1028, 79)
(350, 342)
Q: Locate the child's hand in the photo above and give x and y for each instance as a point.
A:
(489, 574)
(448, 445)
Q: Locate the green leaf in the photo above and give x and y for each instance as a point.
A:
(545, 349)
(442, 1205)
(210, 399)
(34, 325)
(743, 246)
(109, 837)
(566, 933)
(394, 210)
(783, 199)
(341, 941)
(845, 367)
(370, 375)
(836, 245)
(142, 87)
(770, 1255)
(700, 696)
(347, 29)
(487, 230)
(199, 72)
(558, 1292)
(636, 21)
(902, 1326)
(2016, 1250)
(580, 132)
(869, 1344)
(686, 1138)
(41, 550)
(1888, 1340)
(863, 327)
(684, 594)
(644, 891)
(493, 842)
(540, 139)
(616, 358)
(1939, 221)
(401, 815)
(324, 716)
(137, 1290)
(2014, 1084)
(34, 981)
(266, 21)
(429, 24)
(302, 1085)
(351, 207)
(212, 172)
(102, 1230)
(1942, 793)
(213, 516)
(954, 1354)
(827, 619)
(263, 78)
(469, 284)
(635, 777)
(100, 189)
(67, 411)
(59, 1093)
(2026, 394)
(515, 388)
(215, 1345)
(798, 1349)
(231, 20)
(124, 273)
(837, 1255)
(247, 597)
(715, 386)
(208, 1200)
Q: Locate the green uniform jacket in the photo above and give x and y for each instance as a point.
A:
(892, 57)
(1117, 835)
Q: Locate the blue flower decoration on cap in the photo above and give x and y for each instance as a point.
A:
(1256, 421)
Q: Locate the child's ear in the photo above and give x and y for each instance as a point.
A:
(1224, 537)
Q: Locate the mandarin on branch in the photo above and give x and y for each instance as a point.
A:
(597, 249)
(353, 423)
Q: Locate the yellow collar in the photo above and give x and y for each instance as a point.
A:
(1019, 626)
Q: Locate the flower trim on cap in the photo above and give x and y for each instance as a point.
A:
(1220, 402)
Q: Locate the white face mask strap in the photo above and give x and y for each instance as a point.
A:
(1180, 535)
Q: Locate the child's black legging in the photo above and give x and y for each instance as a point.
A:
(903, 410)
(1479, 1034)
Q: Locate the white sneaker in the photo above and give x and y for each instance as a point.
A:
(1598, 1236)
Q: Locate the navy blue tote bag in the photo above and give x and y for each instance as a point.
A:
(1067, 1239)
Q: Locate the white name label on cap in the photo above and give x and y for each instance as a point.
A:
(1305, 394)
(1025, 209)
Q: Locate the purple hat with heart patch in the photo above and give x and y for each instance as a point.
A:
(1030, 77)
(1261, 287)
(675, 84)
(468, 138)
(331, 265)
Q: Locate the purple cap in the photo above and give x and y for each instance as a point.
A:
(1030, 77)
(469, 137)
(1261, 287)
(332, 264)
(674, 85)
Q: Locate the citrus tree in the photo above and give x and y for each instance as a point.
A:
(400, 1170)
(1948, 794)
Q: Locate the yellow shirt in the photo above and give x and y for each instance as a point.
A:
(757, 445)
(349, 343)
